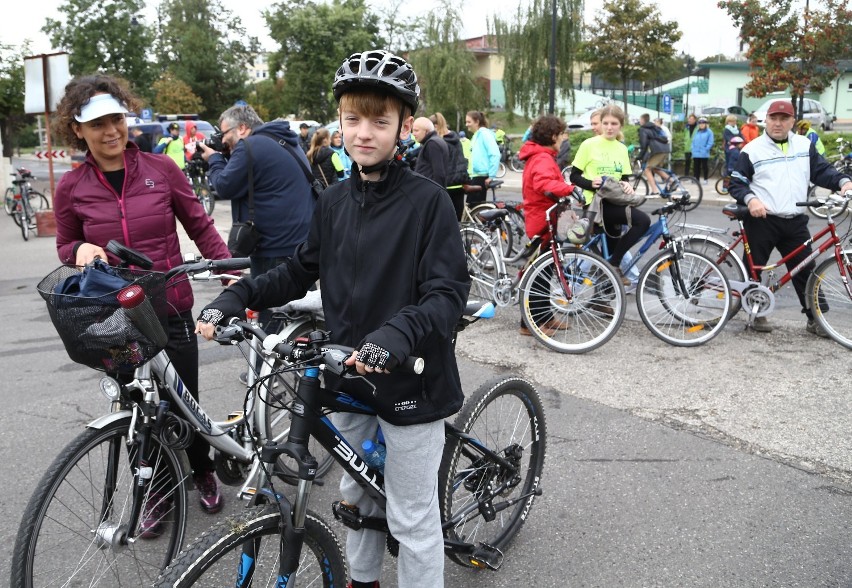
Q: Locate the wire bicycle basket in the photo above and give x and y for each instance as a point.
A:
(114, 328)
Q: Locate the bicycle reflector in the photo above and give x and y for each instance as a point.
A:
(110, 388)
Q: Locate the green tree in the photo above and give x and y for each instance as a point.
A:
(266, 98)
(12, 117)
(445, 67)
(104, 37)
(174, 96)
(789, 50)
(206, 46)
(630, 40)
(524, 43)
(314, 39)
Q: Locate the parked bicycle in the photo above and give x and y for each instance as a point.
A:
(196, 173)
(571, 300)
(509, 158)
(843, 163)
(489, 477)
(682, 296)
(673, 187)
(22, 202)
(82, 525)
(829, 287)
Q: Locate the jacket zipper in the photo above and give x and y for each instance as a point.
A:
(122, 212)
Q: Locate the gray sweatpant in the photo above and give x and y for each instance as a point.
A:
(411, 486)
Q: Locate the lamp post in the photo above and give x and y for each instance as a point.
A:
(552, 104)
(801, 101)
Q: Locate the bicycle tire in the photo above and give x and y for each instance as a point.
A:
(817, 193)
(38, 201)
(828, 299)
(688, 185)
(506, 233)
(582, 322)
(9, 201)
(517, 224)
(481, 263)
(640, 186)
(684, 299)
(727, 260)
(206, 199)
(278, 420)
(218, 557)
(566, 173)
(516, 164)
(501, 169)
(505, 415)
(25, 225)
(66, 506)
(721, 186)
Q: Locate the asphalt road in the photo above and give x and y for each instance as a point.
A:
(724, 465)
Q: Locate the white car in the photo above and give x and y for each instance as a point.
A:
(814, 112)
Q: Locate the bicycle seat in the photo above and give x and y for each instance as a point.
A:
(736, 211)
(495, 184)
(492, 214)
(469, 188)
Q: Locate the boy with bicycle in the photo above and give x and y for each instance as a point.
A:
(386, 247)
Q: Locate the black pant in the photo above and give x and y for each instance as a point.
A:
(457, 198)
(474, 198)
(687, 158)
(182, 350)
(614, 216)
(700, 164)
(783, 234)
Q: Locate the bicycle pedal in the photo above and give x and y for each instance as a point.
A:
(486, 556)
(350, 516)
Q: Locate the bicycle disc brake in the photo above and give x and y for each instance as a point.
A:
(503, 292)
(758, 300)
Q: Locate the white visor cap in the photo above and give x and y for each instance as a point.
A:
(98, 106)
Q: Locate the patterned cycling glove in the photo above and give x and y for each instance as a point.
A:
(376, 357)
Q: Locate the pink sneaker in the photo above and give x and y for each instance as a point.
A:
(153, 512)
(208, 490)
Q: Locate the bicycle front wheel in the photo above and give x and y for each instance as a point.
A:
(726, 260)
(578, 314)
(73, 529)
(640, 186)
(206, 199)
(517, 225)
(483, 501)
(481, 263)
(38, 201)
(687, 185)
(244, 551)
(722, 185)
(9, 201)
(501, 170)
(516, 164)
(683, 299)
(829, 299)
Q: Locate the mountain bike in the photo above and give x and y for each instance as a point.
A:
(829, 287)
(673, 186)
(82, 525)
(682, 296)
(196, 173)
(489, 477)
(571, 300)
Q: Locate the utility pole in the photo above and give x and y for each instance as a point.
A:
(552, 106)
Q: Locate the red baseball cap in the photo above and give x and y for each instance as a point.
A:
(780, 107)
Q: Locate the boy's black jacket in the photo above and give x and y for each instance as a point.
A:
(392, 269)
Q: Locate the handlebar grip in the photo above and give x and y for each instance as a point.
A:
(415, 365)
(235, 263)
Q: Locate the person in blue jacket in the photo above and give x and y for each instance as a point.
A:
(702, 143)
(485, 154)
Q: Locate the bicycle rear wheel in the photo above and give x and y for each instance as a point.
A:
(517, 226)
(580, 315)
(507, 239)
(687, 185)
(829, 300)
(476, 493)
(38, 201)
(683, 299)
(722, 185)
(516, 164)
(202, 191)
(640, 186)
(726, 260)
(71, 531)
(244, 551)
(481, 263)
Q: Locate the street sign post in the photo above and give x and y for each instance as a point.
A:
(667, 103)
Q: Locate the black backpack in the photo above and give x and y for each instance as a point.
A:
(457, 170)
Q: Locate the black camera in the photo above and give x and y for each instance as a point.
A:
(215, 143)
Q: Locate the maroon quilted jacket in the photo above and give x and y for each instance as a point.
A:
(156, 195)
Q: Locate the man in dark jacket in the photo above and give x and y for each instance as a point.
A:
(654, 149)
(304, 137)
(283, 202)
(434, 158)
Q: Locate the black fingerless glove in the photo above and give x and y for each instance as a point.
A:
(376, 357)
(224, 307)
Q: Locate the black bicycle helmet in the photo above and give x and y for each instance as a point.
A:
(378, 68)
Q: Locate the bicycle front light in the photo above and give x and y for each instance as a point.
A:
(110, 388)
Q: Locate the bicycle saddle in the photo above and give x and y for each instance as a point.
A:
(492, 214)
(736, 211)
(494, 184)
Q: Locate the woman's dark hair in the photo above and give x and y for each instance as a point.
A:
(478, 117)
(77, 93)
(545, 127)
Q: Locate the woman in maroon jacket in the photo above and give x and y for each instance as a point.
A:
(136, 198)
(542, 174)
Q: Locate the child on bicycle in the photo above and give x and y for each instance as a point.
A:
(386, 247)
(733, 154)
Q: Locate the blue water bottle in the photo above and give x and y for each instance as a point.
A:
(374, 454)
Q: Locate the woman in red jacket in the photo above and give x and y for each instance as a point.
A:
(542, 174)
(136, 198)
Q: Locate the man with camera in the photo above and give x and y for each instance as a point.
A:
(262, 166)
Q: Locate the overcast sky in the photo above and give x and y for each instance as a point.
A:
(707, 30)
